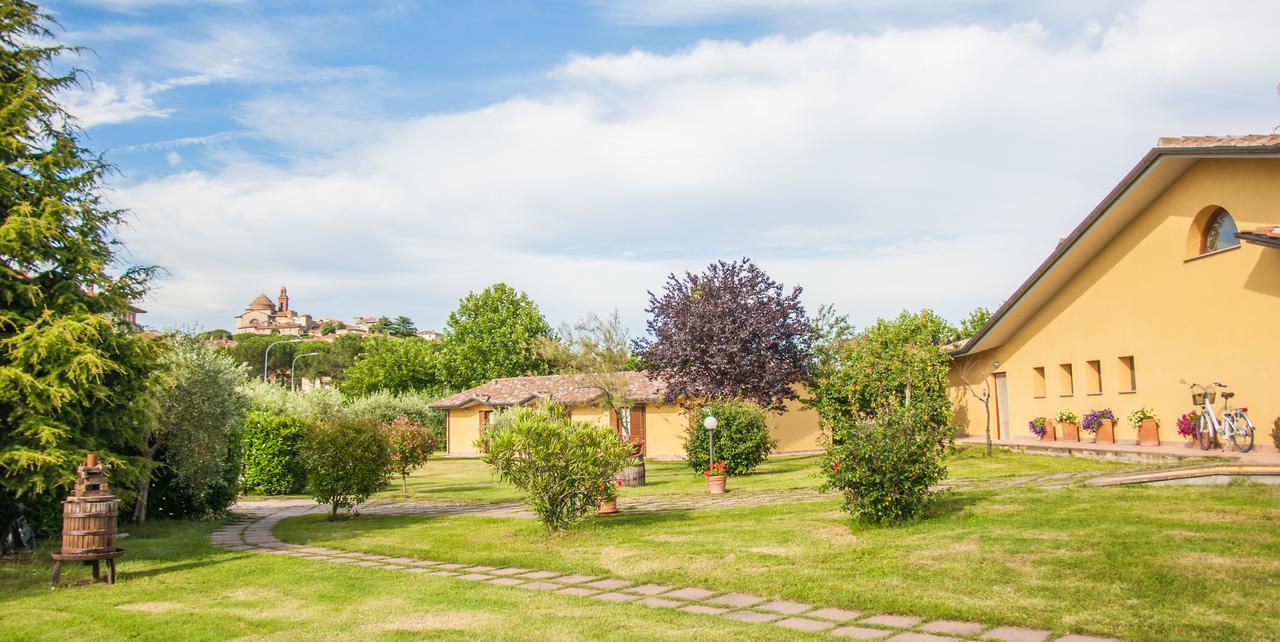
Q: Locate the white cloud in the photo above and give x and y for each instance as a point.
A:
(911, 167)
(111, 103)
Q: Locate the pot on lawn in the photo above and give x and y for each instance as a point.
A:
(715, 484)
(1106, 432)
(633, 475)
(1048, 435)
(1148, 433)
(1070, 432)
(608, 507)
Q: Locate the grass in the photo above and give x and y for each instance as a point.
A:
(174, 585)
(1166, 563)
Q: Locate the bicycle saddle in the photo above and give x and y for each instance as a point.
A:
(1228, 395)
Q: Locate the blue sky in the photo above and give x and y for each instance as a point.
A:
(386, 157)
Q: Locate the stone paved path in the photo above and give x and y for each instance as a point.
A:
(253, 533)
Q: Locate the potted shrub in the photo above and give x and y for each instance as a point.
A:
(1102, 424)
(609, 494)
(1188, 426)
(1145, 421)
(715, 478)
(1042, 428)
(1069, 422)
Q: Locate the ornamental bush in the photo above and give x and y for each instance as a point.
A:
(742, 439)
(566, 467)
(346, 460)
(386, 406)
(1275, 433)
(410, 445)
(887, 468)
(270, 443)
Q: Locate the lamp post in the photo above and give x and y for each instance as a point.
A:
(293, 366)
(267, 353)
(710, 424)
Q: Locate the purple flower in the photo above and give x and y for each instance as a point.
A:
(1094, 419)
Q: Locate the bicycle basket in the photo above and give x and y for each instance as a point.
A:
(1197, 398)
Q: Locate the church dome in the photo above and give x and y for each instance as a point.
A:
(261, 302)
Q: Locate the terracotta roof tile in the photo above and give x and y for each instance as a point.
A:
(1247, 140)
(573, 390)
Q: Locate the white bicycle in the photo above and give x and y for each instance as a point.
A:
(1234, 425)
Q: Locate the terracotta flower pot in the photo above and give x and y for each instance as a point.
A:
(1048, 435)
(1070, 432)
(715, 484)
(1148, 433)
(1106, 433)
(608, 508)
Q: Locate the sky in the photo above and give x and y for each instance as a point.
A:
(386, 157)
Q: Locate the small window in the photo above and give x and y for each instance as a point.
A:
(1037, 381)
(1066, 380)
(1219, 232)
(1095, 377)
(1128, 376)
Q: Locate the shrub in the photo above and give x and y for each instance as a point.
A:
(886, 469)
(387, 406)
(566, 467)
(1037, 426)
(271, 459)
(1275, 433)
(1066, 417)
(410, 444)
(742, 438)
(1189, 424)
(1093, 420)
(315, 405)
(1137, 416)
(346, 460)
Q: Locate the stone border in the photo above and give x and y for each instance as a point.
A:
(252, 532)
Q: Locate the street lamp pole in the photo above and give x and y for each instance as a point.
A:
(710, 424)
(267, 354)
(294, 366)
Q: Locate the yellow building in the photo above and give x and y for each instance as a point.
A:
(660, 425)
(1174, 277)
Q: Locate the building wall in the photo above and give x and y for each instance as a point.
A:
(1211, 318)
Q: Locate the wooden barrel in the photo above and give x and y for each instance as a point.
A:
(633, 475)
(88, 527)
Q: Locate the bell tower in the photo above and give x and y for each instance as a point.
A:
(283, 301)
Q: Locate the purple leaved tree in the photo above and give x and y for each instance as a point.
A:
(730, 332)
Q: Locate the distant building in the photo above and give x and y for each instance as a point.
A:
(430, 335)
(264, 317)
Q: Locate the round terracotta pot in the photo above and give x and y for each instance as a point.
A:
(608, 508)
(715, 484)
(1070, 432)
(1148, 433)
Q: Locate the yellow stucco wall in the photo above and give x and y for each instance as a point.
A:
(1206, 319)
(796, 430)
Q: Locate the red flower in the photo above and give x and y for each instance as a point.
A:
(835, 466)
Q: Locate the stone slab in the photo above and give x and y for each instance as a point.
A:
(898, 621)
(510, 571)
(860, 633)
(574, 579)
(690, 593)
(415, 569)
(739, 600)
(507, 581)
(750, 617)
(473, 577)
(785, 607)
(703, 609)
(479, 569)
(577, 591)
(541, 586)
(450, 567)
(609, 584)
(837, 615)
(616, 597)
(1016, 634)
(648, 589)
(540, 575)
(1075, 637)
(954, 627)
(658, 602)
(920, 637)
(803, 624)
(445, 573)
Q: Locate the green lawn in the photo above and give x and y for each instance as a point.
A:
(173, 585)
(1158, 563)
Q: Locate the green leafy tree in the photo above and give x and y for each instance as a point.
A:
(250, 348)
(333, 358)
(410, 444)
(970, 326)
(394, 365)
(400, 326)
(73, 376)
(330, 327)
(217, 334)
(599, 348)
(566, 467)
(498, 332)
(199, 406)
(346, 461)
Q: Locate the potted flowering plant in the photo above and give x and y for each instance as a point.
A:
(1145, 421)
(1070, 424)
(1042, 428)
(609, 497)
(715, 478)
(1102, 424)
(1188, 426)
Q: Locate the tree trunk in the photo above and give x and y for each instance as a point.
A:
(986, 409)
(333, 512)
(140, 502)
(404, 479)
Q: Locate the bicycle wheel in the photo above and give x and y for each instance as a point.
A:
(1205, 434)
(1241, 430)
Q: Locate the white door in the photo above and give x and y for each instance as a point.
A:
(1002, 405)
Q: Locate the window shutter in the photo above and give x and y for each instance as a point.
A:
(637, 426)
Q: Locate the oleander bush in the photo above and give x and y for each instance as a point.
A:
(566, 467)
(742, 439)
(346, 460)
(887, 469)
(271, 444)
